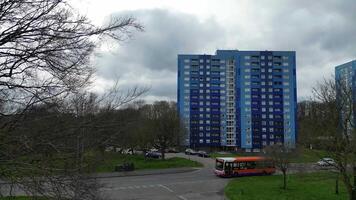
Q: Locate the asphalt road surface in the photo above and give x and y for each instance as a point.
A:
(201, 184)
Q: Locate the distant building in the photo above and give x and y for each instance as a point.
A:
(238, 99)
(345, 78)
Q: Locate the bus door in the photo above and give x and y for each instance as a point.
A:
(228, 168)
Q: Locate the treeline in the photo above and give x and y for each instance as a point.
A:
(327, 123)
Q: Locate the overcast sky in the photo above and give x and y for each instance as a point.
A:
(323, 34)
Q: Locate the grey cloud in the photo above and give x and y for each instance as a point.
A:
(152, 55)
(166, 34)
(323, 33)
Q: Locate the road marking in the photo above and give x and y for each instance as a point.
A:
(165, 187)
(181, 197)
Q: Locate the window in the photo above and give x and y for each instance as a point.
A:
(247, 70)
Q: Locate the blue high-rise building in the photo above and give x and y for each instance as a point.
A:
(240, 99)
(345, 79)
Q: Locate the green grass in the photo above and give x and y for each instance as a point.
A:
(309, 156)
(112, 159)
(313, 186)
(304, 155)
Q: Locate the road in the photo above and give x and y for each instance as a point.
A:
(196, 185)
(201, 184)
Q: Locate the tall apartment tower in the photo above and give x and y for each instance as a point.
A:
(238, 99)
(345, 79)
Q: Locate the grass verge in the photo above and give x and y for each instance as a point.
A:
(313, 186)
(112, 159)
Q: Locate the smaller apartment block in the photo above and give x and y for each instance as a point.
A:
(238, 99)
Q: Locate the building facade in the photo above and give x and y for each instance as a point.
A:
(345, 79)
(239, 99)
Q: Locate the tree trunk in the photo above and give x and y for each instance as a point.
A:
(337, 185)
(163, 153)
(284, 179)
(353, 194)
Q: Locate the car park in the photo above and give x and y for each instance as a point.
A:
(153, 154)
(326, 162)
(190, 152)
(172, 150)
(203, 154)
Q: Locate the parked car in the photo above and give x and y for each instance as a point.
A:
(203, 154)
(326, 162)
(153, 154)
(172, 150)
(190, 152)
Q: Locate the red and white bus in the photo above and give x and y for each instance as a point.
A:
(244, 166)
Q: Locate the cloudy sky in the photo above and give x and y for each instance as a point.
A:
(323, 34)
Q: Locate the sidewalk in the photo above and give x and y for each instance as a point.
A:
(145, 172)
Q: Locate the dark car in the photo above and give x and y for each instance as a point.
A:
(153, 154)
(203, 154)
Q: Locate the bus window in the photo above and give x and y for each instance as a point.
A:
(236, 165)
(269, 164)
(242, 165)
(251, 165)
(219, 165)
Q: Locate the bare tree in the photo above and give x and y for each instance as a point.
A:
(336, 128)
(281, 156)
(45, 49)
(163, 125)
